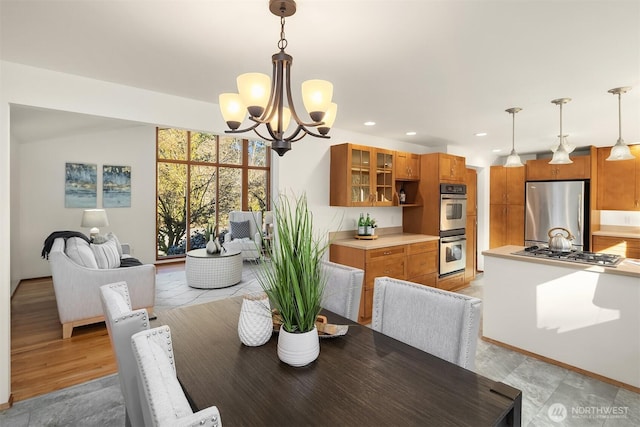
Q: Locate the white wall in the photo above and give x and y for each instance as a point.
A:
(41, 209)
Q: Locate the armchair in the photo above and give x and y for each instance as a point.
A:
(249, 242)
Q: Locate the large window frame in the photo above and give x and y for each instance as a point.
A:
(243, 166)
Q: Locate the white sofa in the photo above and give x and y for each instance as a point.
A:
(77, 288)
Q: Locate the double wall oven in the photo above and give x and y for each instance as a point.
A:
(453, 219)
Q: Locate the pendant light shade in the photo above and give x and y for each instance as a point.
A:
(513, 161)
(561, 155)
(620, 151)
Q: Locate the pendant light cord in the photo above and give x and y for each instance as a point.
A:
(513, 132)
(619, 116)
(282, 43)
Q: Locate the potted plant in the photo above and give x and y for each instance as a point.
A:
(293, 280)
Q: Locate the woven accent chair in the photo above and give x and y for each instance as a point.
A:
(163, 401)
(342, 289)
(249, 245)
(122, 323)
(438, 322)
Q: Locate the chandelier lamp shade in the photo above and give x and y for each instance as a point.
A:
(561, 154)
(263, 98)
(620, 151)
(513, 161)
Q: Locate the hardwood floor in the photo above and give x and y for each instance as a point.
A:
(41, 361)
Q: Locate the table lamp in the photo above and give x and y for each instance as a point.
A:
(94, 218)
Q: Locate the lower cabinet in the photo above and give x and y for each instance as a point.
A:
(416, 262)
(623, 246)
(451, 283)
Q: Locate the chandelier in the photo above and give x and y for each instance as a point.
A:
(264, 98)
(513, 161)
(620, 151)
(561, 154)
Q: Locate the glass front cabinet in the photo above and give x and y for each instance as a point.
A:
(362, 176)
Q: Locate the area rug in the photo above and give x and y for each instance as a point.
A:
(172, 290)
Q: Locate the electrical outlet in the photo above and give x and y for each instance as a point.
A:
(627, 219)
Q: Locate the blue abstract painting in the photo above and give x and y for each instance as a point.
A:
(116, 186)
(80, 185)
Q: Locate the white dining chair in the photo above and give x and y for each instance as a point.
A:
(122, 323)
(342, 290)
(442, 323)
(164, 403)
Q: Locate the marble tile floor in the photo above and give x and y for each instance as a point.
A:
(585, 401)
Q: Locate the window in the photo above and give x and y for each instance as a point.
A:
(201, 177)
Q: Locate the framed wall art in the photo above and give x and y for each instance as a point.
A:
(116, 186)
(80, 185)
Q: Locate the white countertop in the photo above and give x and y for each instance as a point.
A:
(628, 267)
(618, 231)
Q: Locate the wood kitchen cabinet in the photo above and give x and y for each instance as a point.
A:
(618, 185)
(623, 246)
(506, 209)
(471, 228)
(451, 168)
(541, 170)
(417, 262)
(361, 176)
(407, 166)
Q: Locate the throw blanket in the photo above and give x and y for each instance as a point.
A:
(129, 262)
(48, 243)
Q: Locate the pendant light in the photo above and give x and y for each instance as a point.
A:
(561, 155)
(264, 98)
(513, 161)
(620, 151)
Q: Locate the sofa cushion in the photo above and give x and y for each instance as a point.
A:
(240, 230)
(106, 254)
(99, 239)
(80, 252)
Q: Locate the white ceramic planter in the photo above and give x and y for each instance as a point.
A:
(298, 349)
(255, 325)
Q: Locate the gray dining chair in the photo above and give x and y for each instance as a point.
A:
(439, 322)
(164, 403)
(342, 289)
(122, 323)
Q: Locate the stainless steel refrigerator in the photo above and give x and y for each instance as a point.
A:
(551, 204)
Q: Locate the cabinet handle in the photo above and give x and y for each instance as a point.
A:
(386, 253)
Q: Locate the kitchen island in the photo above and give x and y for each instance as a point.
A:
(578, 316)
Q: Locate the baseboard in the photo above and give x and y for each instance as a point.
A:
(8, 404)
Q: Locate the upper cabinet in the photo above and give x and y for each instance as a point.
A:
(618, 186)
(451, 168)
(541, 170)
(407, 166)
(361, 176)
(506, 186)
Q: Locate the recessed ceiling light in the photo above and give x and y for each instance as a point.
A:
(369, 123)
(410, 133)
(481, 134)
(496, 150)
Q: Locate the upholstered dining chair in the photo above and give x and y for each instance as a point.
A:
(122, 323)
(245, 233)
(164, 403)
(436, 321)
(342, 289)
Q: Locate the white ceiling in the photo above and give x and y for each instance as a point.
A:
(444, 69)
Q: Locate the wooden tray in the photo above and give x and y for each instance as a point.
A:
(374, 237)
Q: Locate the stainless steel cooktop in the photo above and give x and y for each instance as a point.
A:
(581, 257)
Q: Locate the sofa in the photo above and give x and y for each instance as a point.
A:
(78, 270)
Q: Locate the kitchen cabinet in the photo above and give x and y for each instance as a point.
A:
(618, 185)
(407, 166)
(506, 186)
(506, 209)
(451, 168)
(471, 179)
(451, 283)
(623, 246)
(417, 262)
(361, 176)
(506, 225)
(541, 170)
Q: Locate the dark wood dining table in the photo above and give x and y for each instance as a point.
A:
(362, 378)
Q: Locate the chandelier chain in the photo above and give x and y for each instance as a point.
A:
(282, 43)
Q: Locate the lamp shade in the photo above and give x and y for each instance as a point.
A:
(254, 89)
(94, 218)
(316, 97)
(620, 151)
(328, 119)
(286, 119)
(513, 161)
(232, 108)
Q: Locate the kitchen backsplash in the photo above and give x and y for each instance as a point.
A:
(620, 218)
